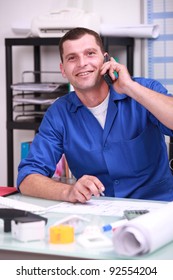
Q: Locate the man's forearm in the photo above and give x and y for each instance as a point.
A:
(160, 105)
(37, 185)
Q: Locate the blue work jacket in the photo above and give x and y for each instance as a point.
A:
(129, 155)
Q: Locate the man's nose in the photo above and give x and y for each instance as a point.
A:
(82, 61)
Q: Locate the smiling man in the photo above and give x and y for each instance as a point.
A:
(112, 136)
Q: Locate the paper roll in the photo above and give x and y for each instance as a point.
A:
(139, 31)
(145, 233)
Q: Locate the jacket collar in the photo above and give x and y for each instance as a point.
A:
(75, 102)
(115, 95)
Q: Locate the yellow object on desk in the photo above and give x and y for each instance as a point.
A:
(61, 234)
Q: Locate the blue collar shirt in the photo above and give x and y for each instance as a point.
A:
(129, 155)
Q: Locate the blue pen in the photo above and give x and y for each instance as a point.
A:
(114, 225)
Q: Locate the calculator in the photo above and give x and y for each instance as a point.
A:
(131, 214)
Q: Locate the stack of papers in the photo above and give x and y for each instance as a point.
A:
(29, 92)
(36, 87)
(35, 100)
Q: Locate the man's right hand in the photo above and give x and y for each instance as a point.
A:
(86, 187)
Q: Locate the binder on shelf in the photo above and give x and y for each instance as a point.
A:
(25, 146)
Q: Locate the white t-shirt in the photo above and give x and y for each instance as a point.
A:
(100, 111)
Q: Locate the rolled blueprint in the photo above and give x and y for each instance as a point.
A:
(138, 31)
(145, 233)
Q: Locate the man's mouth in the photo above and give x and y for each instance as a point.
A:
(83, 74)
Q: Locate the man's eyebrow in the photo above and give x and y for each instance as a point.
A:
(70, 54)
(91, 49)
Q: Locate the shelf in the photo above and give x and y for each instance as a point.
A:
(32, 41)
(24, 124)
(36, 41)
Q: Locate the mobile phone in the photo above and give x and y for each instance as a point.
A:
(106, 76)
(131, 214)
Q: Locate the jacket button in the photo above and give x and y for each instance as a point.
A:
(116, 182)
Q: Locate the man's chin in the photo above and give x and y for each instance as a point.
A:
(85, 86)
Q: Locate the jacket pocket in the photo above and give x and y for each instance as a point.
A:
(143, 151)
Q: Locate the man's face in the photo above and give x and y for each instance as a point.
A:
(82, 60)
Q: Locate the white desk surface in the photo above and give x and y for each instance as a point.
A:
(14, 249)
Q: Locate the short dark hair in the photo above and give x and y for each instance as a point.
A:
(77, 33)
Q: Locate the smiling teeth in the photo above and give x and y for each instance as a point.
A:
(83, 74)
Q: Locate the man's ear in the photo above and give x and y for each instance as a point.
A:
(62, 70)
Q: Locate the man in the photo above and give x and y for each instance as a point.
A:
(112, 137)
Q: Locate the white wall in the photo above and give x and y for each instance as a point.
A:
(111, 11)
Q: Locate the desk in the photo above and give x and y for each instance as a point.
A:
(11, 249)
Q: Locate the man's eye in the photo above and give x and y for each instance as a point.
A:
(71, 58)
(91, 53)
